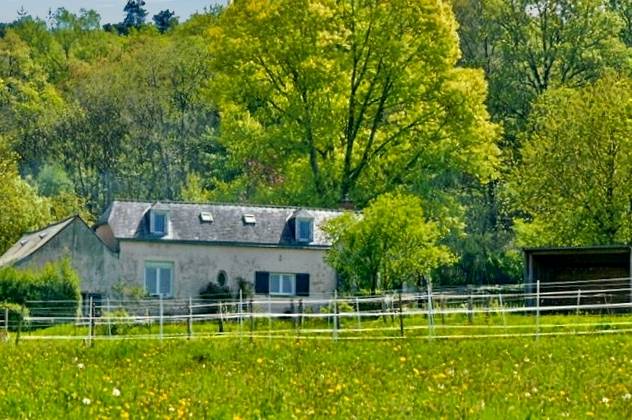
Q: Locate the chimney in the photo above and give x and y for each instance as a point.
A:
(346, 203)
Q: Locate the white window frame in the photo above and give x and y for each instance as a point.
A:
(152, 222)
(282, 292)
(159, 266)
(300, 220)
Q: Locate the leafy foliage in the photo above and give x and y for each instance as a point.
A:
(345, 99)
(573, 185)
(392, 243)
(54, 281)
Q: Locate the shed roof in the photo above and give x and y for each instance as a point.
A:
(30, 242)
(595, 249)
(273, 225)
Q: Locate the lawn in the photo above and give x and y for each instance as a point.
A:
(567, 376)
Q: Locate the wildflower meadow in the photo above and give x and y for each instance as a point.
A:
(565, 376)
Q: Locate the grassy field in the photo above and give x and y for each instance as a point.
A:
(569, 376)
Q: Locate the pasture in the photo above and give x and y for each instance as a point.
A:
(564, 376)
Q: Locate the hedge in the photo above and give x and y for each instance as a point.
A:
(53, 282)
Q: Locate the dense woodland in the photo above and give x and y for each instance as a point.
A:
(509, 122)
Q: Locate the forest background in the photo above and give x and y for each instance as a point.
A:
(509, 122)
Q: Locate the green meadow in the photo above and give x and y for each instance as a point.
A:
(549, 377)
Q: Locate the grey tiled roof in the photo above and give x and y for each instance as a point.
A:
(30, 242)
(274, 225)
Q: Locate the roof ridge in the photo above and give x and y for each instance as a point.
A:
(50, 225)
(218, 203)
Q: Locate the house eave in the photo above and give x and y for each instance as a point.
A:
(227, 243)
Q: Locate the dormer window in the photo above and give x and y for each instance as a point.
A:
(159, 222)
(304, 230)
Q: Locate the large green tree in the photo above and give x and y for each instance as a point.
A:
(325, 99)
(573, 184)
(529, 46)
(390, 244)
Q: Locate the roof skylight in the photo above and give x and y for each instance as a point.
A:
(206, 217)
(250, 219)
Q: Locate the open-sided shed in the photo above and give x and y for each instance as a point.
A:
(580, 275)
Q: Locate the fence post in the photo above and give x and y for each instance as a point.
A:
(579, 297)
(161, 316)
(430, 315)
(109, 316)
(502, 308)
(470, 307)
(537, 310)
(335, 320)
(357, 306)
(301, 311)
(269, 318)
(401, 316)
(6, 321)
(190, 323)
(90, 309)
(221, 317)
(252, 319)
(241, 314)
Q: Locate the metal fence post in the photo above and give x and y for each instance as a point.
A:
(502, 308)
(109, 310)
(6, 321)
(401, 316)
(241, 314)
(430, 315)
(537, 310)
(190, 323)
(269, 318)
(90, 309)
(161, 316)
(579, 298)
(335, 320)
(357, 307)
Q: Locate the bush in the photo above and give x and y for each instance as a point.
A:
(55, 281)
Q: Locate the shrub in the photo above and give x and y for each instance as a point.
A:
(55, 281)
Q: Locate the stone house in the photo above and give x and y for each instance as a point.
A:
(175, 249)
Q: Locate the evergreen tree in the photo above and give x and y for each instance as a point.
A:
(135, 14)
(165, 20)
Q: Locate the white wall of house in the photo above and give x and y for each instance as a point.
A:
(194, 266)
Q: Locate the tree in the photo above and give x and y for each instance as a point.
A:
(21, 208)
(346, 98)
(529, 46)
(165, 20)
(572, 186)
(624, 9)
(135, 14)
(390, 244)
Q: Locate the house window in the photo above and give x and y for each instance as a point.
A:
(304, 230)
(282, 284)
(159, 222)
(159, 279)
(222, 278)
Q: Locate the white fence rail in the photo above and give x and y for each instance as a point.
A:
(539, 309)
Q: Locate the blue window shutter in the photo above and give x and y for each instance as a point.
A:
(302, 284)
(262, 282)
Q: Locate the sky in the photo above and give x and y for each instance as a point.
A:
(111, 11)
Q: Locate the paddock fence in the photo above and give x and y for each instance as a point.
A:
(583, 307)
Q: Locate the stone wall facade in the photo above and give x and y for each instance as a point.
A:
(195, 265)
